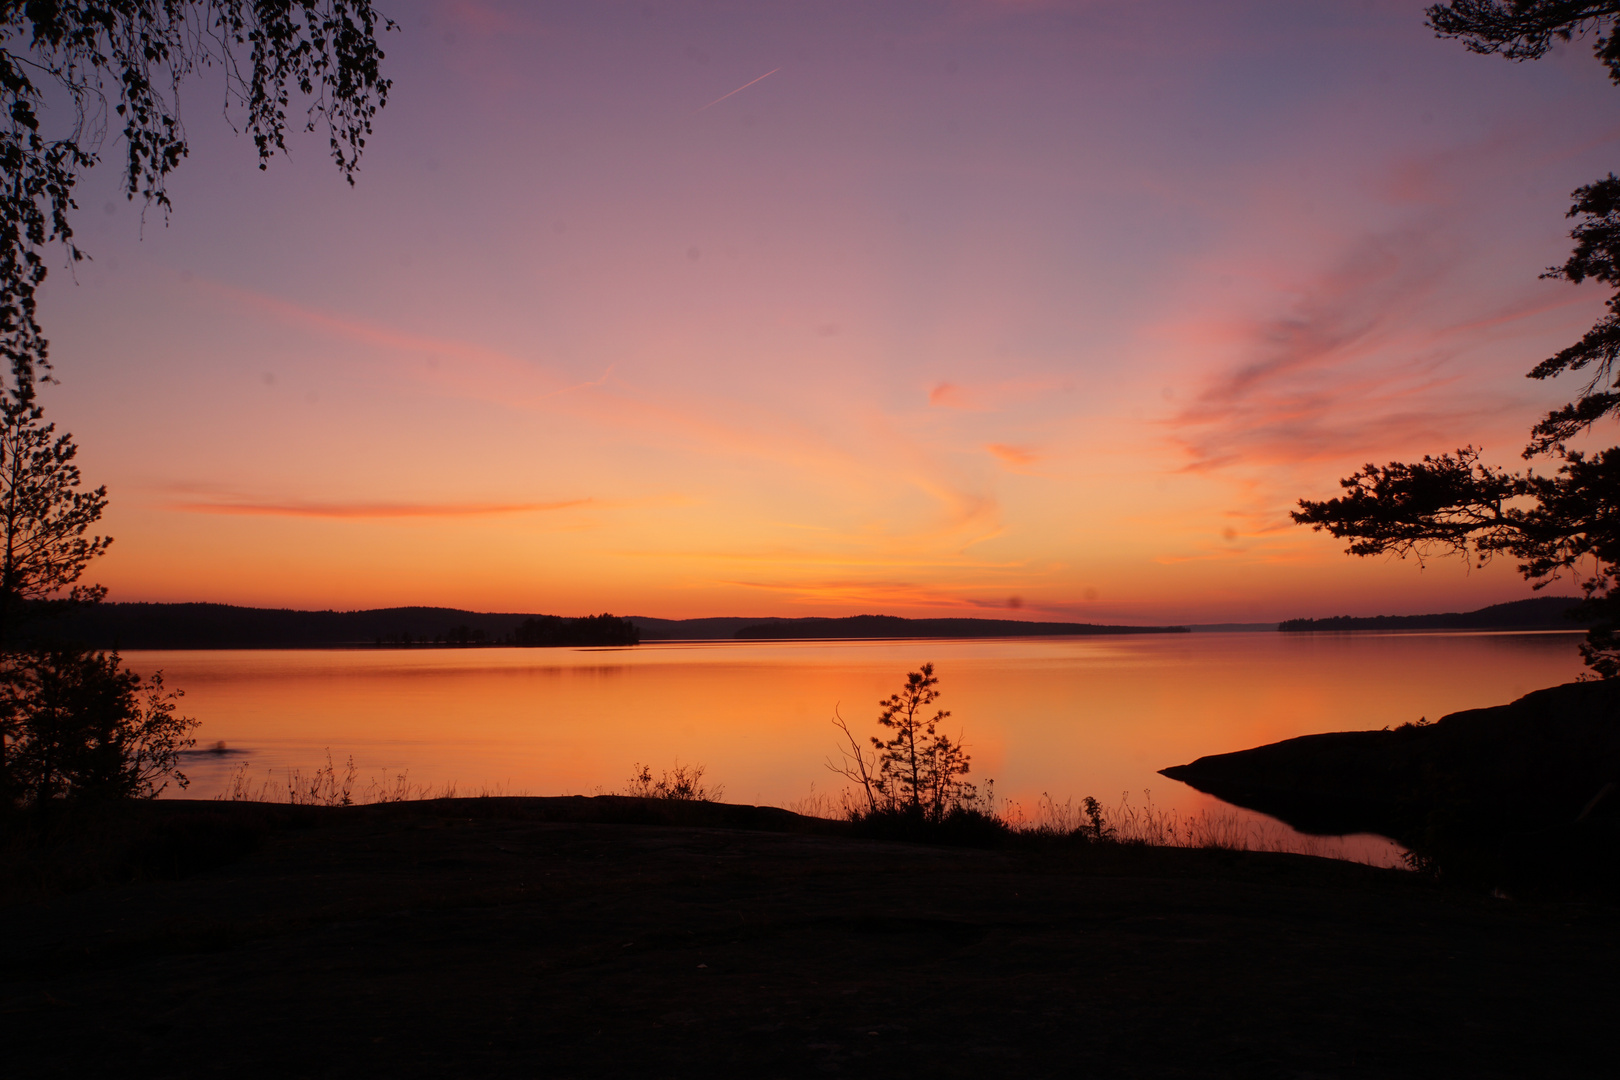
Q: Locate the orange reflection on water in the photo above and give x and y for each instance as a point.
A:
(1065, 716)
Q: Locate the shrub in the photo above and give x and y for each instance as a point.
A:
(323, 787)
(76, 725)
(961, 826)
(683, 784)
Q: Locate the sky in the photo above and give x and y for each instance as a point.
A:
(1004, 309)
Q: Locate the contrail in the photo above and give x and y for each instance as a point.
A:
(739, 89)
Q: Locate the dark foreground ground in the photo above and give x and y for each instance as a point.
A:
(471, 938)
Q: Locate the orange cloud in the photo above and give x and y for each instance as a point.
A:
(989, 397)
(370, 511)
(1013, 455)
(714, 426)
(730, 429)
(795, 557)
(849, 596)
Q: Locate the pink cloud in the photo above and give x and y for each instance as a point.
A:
(363, 331)
(1356, 366)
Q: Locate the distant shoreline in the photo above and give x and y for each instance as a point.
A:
(151, 626)
(1536, 613)
(200, 626)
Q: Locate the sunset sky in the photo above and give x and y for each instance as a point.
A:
(1031, 310)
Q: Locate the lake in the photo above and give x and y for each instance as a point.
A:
(1068, 717)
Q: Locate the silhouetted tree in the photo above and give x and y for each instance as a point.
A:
(901, 761)
(917, 770)
(1563, 523)
(463, 634)
(122, 62)
(44, 516)
(554, 630)
(1526, 29)
(73, 723)
(82, 727)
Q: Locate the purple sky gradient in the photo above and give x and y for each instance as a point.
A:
(965, 302)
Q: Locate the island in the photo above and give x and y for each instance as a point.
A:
(1536, 613)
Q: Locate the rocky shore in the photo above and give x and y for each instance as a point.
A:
(1524, 796)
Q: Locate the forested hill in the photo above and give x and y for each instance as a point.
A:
(889, 626)
(1537, 613)
(224, 626)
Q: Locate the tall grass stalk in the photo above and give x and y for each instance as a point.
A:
(329, 785)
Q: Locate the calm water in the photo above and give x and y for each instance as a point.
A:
(1069, 717)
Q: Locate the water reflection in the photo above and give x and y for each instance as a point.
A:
(1069, 717)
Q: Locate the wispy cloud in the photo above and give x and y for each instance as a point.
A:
(739, 89)
(795, 557)
(1357, 366)
(1017, 456)
(1365, 361)
(873, 596)
(713, 425)
(992, 396)
(363, 331)
(366, 510)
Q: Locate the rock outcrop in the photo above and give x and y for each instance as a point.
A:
(1519, 791)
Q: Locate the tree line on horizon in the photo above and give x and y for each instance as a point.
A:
(1536, 613)
(146, 625)
(534, 632)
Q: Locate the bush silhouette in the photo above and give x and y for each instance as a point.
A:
(684, 783)
(79, 727)
(914, 782)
